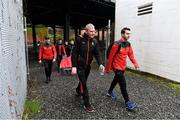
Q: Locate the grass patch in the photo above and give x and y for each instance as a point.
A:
(174, 86)
(31, 108)
(155, 79)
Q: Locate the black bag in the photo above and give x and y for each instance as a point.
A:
(110, 46)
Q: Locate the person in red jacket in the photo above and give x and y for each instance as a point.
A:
(47, 54)
(60, 52)
(117, 62)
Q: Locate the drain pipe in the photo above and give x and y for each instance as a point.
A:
(107, 37)
(26, 48)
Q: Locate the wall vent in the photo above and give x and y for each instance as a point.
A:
(145, 9)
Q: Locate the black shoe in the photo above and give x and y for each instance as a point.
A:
(47, 81)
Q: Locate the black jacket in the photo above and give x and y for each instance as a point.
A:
(84, 50)
(68, 49)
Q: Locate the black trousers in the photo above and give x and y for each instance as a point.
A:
(59, 58)
(48, 68)
(83, 73)
(119, 78)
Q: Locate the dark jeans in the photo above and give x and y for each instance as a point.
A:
(119, 78)
(83, 73)
(48, 68)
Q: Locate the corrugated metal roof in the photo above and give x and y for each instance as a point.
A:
(81, 12)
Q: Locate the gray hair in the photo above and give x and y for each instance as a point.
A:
(90, 26)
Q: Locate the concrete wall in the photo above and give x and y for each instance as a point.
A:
(155, 37)
(12, 60)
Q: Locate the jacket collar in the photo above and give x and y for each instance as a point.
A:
(123, 40)
(87, 37)
(48, 44)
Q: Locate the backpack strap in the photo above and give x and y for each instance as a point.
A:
(119, 46)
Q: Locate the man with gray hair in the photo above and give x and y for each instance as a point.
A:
(85, 48)
(90, 26)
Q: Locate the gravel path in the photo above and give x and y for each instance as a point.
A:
(59, 100)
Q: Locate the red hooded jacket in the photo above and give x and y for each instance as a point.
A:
(118, 61)
(47, 52)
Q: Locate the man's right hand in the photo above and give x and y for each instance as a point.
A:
(74, 71)
(136, 67)
(40, 61)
